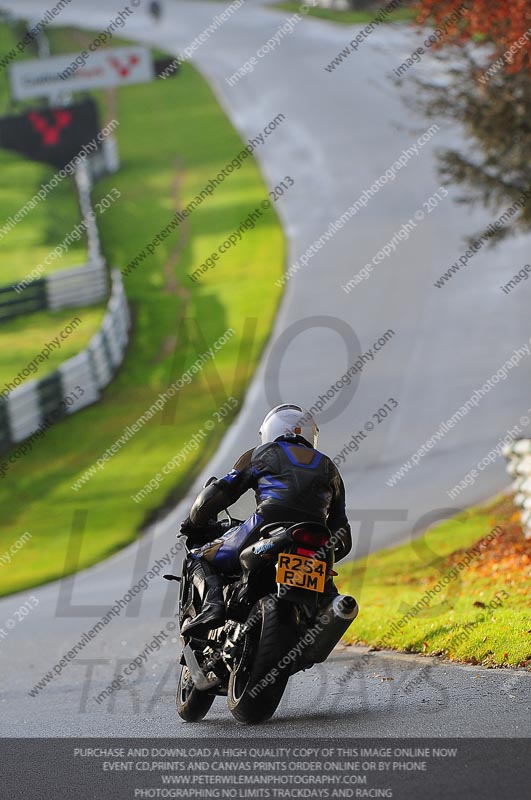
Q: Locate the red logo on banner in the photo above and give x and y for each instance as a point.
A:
(124, 69)
(50, 132)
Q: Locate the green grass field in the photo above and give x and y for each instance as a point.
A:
(479, 613)
(349, 17)
(171, 132)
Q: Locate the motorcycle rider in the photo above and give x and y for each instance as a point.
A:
(155, 9)
(293, 482)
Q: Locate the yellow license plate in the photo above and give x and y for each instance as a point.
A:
(301, 572)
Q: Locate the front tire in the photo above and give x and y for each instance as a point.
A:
(192, 705)
(255, 690)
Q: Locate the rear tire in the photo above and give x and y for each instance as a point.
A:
(192, 705)
(252, 698)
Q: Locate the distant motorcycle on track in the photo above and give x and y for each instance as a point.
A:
(155, 9)
(281, 618)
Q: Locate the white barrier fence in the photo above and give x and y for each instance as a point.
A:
(32, 406)
(518, 455)
(104, 161)
(77, 286)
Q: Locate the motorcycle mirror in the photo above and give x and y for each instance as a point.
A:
(211, 480)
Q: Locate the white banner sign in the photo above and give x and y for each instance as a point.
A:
(116, 66)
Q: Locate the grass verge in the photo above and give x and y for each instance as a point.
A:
(417, 598)
(349, 17)
(173, 137)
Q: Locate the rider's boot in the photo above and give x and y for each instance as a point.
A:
(212, 613)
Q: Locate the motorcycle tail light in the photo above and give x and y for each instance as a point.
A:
(301, 551)
(311, 538)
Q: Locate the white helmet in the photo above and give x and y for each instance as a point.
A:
(289, 420)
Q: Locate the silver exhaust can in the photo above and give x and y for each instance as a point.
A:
(329, 627)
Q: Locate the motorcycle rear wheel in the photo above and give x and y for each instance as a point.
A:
(192, 705)
(255, 690)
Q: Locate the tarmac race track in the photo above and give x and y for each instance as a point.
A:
(342, 131)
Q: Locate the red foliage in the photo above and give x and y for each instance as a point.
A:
(502, 22)
(509, 555)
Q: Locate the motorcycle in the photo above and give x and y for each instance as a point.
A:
(155, 9)
(283, 615)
